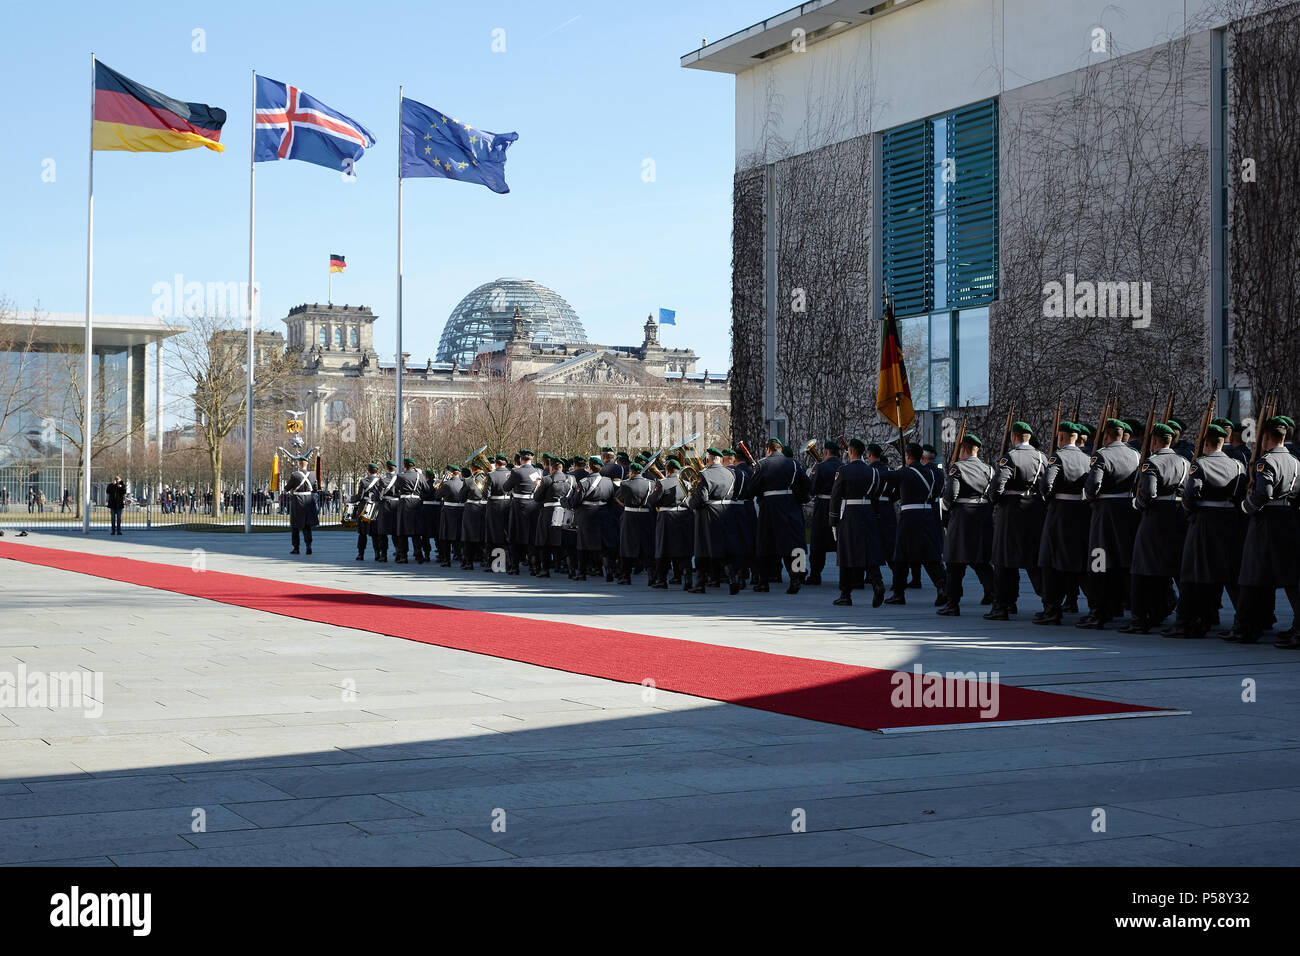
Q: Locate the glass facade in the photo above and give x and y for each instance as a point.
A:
(481, 322)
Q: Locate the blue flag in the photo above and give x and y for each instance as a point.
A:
(434, 144)
(292, 125)
(667, 317)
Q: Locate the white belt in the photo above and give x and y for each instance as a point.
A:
(970, 501)
(1215, 504)
(409, 497)
(912, 507)
(476, 501)
(523, 494)
(431, 502)
(1278, 503)
(856, 501)
(632, 510)
(552, 504)
(453, 504)
(673, 508)
(1118, 494)
(784, 491)
(823, 497)
(593, 504)
(1068, 497)
(500, 497)
(1167, 498)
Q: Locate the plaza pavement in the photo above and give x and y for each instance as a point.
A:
(308, 744)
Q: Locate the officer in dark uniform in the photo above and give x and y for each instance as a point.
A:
(1270, 556)
(472, 521)
(576, 557)
(970, 523)
(1017, 520)
(550, 495)
(1063, 545)
(822, 477)
(614, 468)
(408, 489)
(636, 536)
(884, 495)
(742, 518)
(387, 514)
(674, 529)
(451, 509)
(300, 489)
(1162, 529)
(430, 509)
(1212, 494)
(1109, 486)
(588, 498)
(858, 549)
(913, 541)
(523, 512)
(928, 458)
(368, 487)
(781, 489)
(711, 501)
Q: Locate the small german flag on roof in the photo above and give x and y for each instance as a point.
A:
(132, 117)
(337, 264)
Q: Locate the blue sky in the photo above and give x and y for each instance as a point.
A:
(592, 89)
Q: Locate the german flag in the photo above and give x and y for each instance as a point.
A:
(135, 118)
(893, 393)
(337, 264)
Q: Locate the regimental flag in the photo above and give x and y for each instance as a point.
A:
(437, 145)
(292, 125)
(337, 264)
(132, 117)
(667, 317)
(893, 394)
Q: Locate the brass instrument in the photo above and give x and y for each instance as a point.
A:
(692, 461)
(810, 450)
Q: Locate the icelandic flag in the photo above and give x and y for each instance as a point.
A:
(292, 125)
(667, 317)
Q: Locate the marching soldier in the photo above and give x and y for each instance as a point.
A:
(1162, 529)
(885, 493)
(913, 541)
(614, 468)
(1063, 545)
(588, 499)
(472, 521)
(674, 529)
(1180, 445)
(970, 523)
(711, 501)
(523, 513)
(496, 522)
(1108, 487)
(300, 489)
(1017, 520)
(1213, 491)
(1269, 556)
(577, 473)
(853, 518)
(742, 518)
(780, 487)
(636, 540)
(822, 477)
(452, 512)
(367, 490)
(430, 510)
(1234, 447)
(550, 495)
(388, 505)
(408, 490)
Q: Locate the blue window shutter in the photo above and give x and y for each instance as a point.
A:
(973, 206)
(906, 233)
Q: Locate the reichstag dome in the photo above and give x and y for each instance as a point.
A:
(481, 322)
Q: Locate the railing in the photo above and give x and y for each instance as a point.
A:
(183, 513)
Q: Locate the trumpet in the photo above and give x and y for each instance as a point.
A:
(810, 450)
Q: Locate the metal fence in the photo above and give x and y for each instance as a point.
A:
(194, 511)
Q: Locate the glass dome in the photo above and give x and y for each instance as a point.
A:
(481, 322)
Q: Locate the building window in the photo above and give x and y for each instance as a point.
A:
(338, 336)
(947, 358)
(356, 337)
(324, 336)
(335, 411)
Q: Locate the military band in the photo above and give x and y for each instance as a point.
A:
(1153, 532)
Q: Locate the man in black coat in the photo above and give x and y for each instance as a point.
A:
(711, 500)
(386, 516)
(523, 513)
(674, 529)
(1109, 487)
(1063, 544)
(969, 542)
(780, 487)
(587, 499)
(1162, 529)
(366, 491)
(407, 490)
(496, 523)
(1017, 520)
(822, 478)
(430, 514)
(115, 497)
(914, 542)
(550, 496)
(853, 518)
(636, 537)
(451, 505)
(300, 489)
(882, 503)
(474, 495)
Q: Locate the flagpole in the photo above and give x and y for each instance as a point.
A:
(87, 432)
(252, 321)
(398, 412)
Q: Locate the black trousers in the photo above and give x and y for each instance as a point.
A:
(1151, 597)
(306, 536)
(817, 562)
(680, 567)
(362, 537)
(851, 578)
(1106, 592)
(957, 572)
(1058, 587)
(934, 569)
(116, 514)
(1199, 602)
(401, 543)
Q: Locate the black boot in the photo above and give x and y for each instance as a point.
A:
(878, 595)
(844, 600)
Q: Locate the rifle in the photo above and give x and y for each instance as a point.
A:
(1146, 444)
(1206, 417)
(1266, 411)
(1006, 431)
(957, 439)
(1107, 412)
(1056, 427)
(1169, 409)
(1078, 406)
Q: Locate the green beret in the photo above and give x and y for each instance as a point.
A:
(1132, 424)
(605, 448)
(372, 467)
(635, 466)
(594, 460)
(831, 444)
(729, 451)
(973, 440)
(775, 441)
(408, 461)
(1221, 422)
(1083, 429)
(875, 449)
(525, 453)
(673, 463)
(1238, 426)
(1022, 428)
(1176, 423)
(1116, 424)
(1160, 428)
(390, 463)
(713, 451)
(430, 473)
(1215, 431)
(503, 459)
(787, 451)
(930, 448)
(301, 458)
(1290, 422)
(622, 456)
(1277, 423)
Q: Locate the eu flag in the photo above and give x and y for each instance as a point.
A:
(667, 317)
(434, 144)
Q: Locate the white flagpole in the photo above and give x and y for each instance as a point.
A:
(252, 322)
(398, 426)
(87, 426)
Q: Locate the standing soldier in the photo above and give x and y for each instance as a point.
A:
(674, 529)
(577, 473)
(430, 510)
(406, 520)
(300, 490)
(1063, 545)
(711, 500)
(1180, 445)
(616, 470)
(474, 495)
(1109, 487)
(970, 523)
(1233, 447)
(1269, 556)
(913, 541)
(742, 518)
(388, 505)
(550, 495)
(367, 490)
(496, 522)
(1211, 559)
(636, 539)
(523, 512)
(780, 487)
(451, 507)
(588, 499)
(822, 477)
(1017, 520)
(858, 549)
(1162, 529)
(884, 494)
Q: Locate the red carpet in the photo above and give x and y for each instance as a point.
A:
(860, 697)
